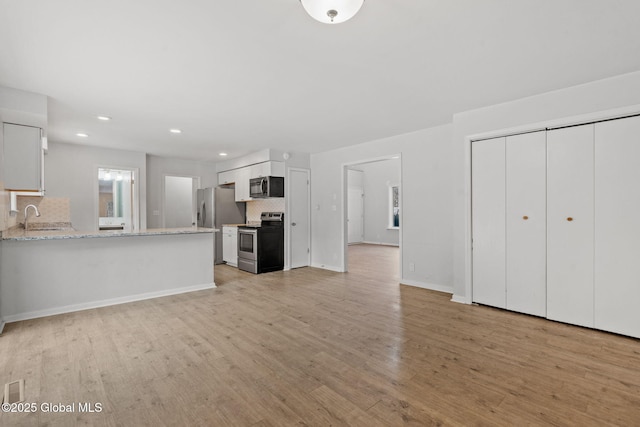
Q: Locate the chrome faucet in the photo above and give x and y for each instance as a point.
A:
(26, 208)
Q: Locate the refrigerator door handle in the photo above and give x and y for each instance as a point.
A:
(204, 214)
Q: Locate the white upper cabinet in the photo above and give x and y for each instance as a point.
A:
(241, 177)
(227, 177)
(488, 214)
(243, 191)
(526, 212)
(570, 225)
(617, 228)
(23, 158)
(261, 170)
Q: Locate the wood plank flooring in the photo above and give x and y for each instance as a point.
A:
(313, 347)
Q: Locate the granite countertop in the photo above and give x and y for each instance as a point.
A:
(233, 225)
(20, 234)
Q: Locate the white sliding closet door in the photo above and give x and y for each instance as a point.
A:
(526, 195)
(488, 221)
(617, 231)
(570, 225)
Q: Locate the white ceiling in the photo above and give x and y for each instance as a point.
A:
(242, 75)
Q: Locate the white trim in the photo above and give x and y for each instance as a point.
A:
(329, 267)
(460, 300)
(562, 122)
(610, 114)
(426, 285)
(365, 242)
(107, 302)
(1, 326)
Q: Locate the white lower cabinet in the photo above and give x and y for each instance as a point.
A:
(554, 224)
(230, 245)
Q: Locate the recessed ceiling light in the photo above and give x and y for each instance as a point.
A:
(222, 154)
(175, 131)
(103, 118)
(82, 135)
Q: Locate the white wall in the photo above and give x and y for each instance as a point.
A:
(377, 177)
(71, 171)
(557, 106)
(427, 179)
(158, 167)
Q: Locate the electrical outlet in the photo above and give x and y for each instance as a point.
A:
(412, 267)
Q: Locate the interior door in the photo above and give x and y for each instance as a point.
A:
(526, 240)
(617, 228)
(488, 206)
(299, 213)
(179, 201)
(570, 223)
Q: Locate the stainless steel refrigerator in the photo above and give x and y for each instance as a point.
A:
(217, 206)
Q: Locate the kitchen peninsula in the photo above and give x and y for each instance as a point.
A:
(51, 272)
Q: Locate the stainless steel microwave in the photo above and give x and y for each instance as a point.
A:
(268, 186)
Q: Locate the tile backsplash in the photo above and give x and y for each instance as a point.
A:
(256, 207)
(52, 209)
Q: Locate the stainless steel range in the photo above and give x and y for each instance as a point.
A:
(261, 247)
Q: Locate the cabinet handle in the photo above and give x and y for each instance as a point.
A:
(570, 219)
(525, 217)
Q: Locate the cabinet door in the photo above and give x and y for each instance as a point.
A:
(570, 222)
(233, 253)
(242, 185)
(488, 221)
(526, 240)
(227, 177)
(22, 157)
(617, 228)
(226, 245)
(276, 169)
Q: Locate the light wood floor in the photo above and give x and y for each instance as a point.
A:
(313, 347)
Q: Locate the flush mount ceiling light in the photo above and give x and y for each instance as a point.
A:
(175, 131)
(222, 154)
(103, 118)
(332, 11)
(82, 135)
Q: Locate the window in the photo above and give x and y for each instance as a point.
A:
(394, 206)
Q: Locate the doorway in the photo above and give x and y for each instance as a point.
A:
(117, 199)
(373, 205)
(179, 205)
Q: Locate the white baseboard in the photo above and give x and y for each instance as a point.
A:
(328, 267)
(460, 299)
(395, 245)
(104, 303)
(1, 326)
(430, 286)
